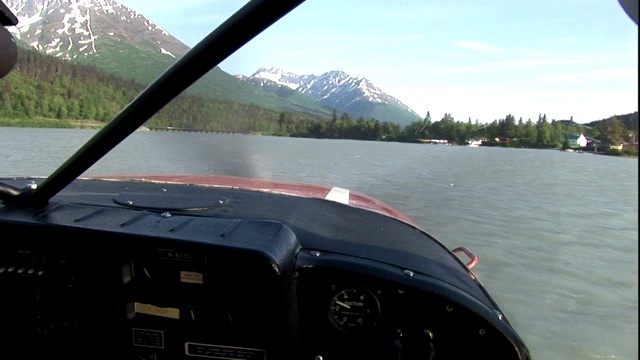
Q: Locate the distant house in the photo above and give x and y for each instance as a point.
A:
(578, 140)
(435, 141)
(597, 145)
(594, 144)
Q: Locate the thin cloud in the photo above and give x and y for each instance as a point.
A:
(476, 46)
(319, 50)
(542, 62)
(404, 37)
(561, 41)
(604, 74)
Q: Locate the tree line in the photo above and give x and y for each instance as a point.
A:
(507, 131)
(45, 91)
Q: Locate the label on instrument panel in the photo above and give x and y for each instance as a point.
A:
(148, 309)
(167, 254)
(191, 277)
(223, 352)
(148, 338)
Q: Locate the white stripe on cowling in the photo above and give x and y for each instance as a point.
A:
(338, 195)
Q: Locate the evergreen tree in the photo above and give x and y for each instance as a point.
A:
(543, 132)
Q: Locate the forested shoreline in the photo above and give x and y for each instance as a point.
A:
(43, 91)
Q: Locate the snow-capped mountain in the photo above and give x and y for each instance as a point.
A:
(356, 96)
(123, 42)
(71, 29)
(117, 39)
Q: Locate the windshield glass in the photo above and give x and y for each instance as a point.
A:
(506, 127)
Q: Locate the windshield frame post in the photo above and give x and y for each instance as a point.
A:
(249, 21)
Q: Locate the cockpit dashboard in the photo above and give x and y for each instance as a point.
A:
(99, 273)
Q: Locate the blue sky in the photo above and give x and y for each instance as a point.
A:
(479, 59)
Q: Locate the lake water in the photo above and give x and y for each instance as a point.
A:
(556, 233)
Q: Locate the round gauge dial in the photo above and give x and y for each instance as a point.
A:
(354, 310)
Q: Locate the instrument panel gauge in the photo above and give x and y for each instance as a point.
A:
(354, 310)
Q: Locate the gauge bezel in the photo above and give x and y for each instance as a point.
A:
(359, 318)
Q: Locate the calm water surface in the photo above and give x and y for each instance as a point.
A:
(556, 233)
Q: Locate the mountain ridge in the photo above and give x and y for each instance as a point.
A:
(77, 29)
(124, 42)
(335, 89)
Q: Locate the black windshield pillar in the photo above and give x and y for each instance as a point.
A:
(240, 28)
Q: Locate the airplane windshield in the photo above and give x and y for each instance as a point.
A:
(508, 127)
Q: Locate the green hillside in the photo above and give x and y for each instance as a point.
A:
(44, 91)
(129, 62)
(392, 113)
(630, 121)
